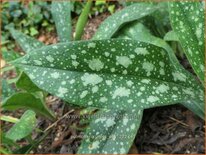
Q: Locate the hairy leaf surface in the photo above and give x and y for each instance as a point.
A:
(105, 72)
(187, 20)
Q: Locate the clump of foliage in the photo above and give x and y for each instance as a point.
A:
(99, 7)
(121, 71)
(27, 17)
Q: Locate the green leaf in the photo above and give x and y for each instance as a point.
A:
(171, 36)
(111, 8)
(26, 43)
(138, 31)
(33, 31)
(82, 20)
(6, 141)
(128, 14)
(7, 90)
(61, 12)
(111, 132)
(187, 20)
(27, 101)
(24, 127)
(100, 2)
(103, 73)
(26, 149)
(25, 83)
(10, 55)
(23, 150)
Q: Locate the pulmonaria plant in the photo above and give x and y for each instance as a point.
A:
(122, 70)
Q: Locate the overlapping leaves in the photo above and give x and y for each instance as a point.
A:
(138, 31)
(100, 74)
(187, 19)
(128, 14)
(109, 127)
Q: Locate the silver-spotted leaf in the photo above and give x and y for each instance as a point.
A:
(61, 12)
(138, 31)
(187, 20)
(103, 73)
(7, 90)
(23, 127)
(128, 14)
(111, 132)
(27, 43)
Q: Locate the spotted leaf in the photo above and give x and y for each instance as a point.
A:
(23, 127)
(111, 132)
(128, 14)
(138, 31)
(7, 90)
(27, 43)
(103, 73)
(61, 12)
(187, 20)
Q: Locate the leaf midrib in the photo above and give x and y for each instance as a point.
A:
(142, 77)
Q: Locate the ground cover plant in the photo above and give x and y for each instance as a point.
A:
(129, 65)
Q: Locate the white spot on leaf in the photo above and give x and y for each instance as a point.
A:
(148, 67)
(124, 61)
(141, 51)
(96, 64)
(62, 91)
(55, 75)
(162, 88)
(92, 79)
(152, 99)
(121, 91)
(49, 58)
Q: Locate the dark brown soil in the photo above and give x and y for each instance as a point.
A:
(171, 129)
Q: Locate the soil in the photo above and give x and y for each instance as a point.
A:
(169, 129)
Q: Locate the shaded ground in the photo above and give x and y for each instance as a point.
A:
(170, 129)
